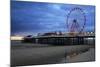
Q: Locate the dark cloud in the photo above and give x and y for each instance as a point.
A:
(35, 17)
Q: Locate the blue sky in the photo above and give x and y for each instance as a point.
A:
(35, 17)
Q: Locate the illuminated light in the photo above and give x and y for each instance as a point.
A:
(16, 38)
(90, 38)
(88, 32)
(91, 32)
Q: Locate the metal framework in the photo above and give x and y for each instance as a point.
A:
(76, 21)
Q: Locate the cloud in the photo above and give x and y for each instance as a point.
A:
(35, 17)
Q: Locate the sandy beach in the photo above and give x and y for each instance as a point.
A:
(32, 54)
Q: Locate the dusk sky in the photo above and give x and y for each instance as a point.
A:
(35, 17)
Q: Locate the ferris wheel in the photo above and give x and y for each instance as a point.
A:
(76, 21)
